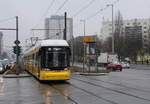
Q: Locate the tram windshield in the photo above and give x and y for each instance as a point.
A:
(55, 57)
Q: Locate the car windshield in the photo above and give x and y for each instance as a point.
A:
(115, 63)
(124, 63)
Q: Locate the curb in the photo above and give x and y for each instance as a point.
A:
(16, 76)
(13, 75)
(93, 74)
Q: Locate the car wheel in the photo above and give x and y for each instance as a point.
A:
(113, 69)
(120, 69)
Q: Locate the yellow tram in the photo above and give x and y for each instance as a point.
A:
(49, 60)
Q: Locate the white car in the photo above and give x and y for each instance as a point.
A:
(125, 64)
(2, 70)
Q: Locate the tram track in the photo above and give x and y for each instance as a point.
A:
(93, 94)
(88, 92)
(63, 94)
(110, 89)
(116, 84)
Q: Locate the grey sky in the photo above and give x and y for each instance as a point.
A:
(30, 12)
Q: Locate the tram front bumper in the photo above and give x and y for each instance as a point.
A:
(55, 75)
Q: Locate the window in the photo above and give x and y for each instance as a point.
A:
(110, 24)
(145, 36)
(145, 23)
(139, 23)
(145, 27)
(146, 45)
(133, 23)
(128, 23)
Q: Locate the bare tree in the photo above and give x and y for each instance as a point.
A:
(119, 36)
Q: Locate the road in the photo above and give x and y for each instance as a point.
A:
(131, 86)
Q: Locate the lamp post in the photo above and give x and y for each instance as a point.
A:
(113, 49)
(83, 45)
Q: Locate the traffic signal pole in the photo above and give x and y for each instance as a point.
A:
(17, 42)
(17, 55)
(65, 29)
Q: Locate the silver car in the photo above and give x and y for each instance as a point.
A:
(125, 64)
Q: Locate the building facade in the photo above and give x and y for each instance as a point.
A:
(133, 32)
(55, 27)
(1, 43)
(143, 26)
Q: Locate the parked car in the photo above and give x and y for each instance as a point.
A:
(125, 64)
(4, 63)
(2, 69)
(114, 66)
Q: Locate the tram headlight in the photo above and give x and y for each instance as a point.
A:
(66, 69)
(46, 69)
(1, 68)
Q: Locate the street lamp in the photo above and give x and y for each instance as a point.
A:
(113, 50)
(84, 25)
(83, 46)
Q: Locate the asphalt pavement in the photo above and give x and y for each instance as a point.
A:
(131, 86)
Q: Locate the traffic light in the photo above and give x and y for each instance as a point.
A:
(17, 49)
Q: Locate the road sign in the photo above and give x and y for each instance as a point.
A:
(17, 42)
(88, 40)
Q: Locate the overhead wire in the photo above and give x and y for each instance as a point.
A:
(83, 8)
(47, 10)
(96, 13)
(7, 19)
(102, 9)
(50, 6)
(62, 5)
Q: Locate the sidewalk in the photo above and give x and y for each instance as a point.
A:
(137, 66)
(91, 67)
(19, 91)
(90, 71)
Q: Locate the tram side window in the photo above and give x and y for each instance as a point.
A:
(33, 60)
(36, 59)
(42, 58)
